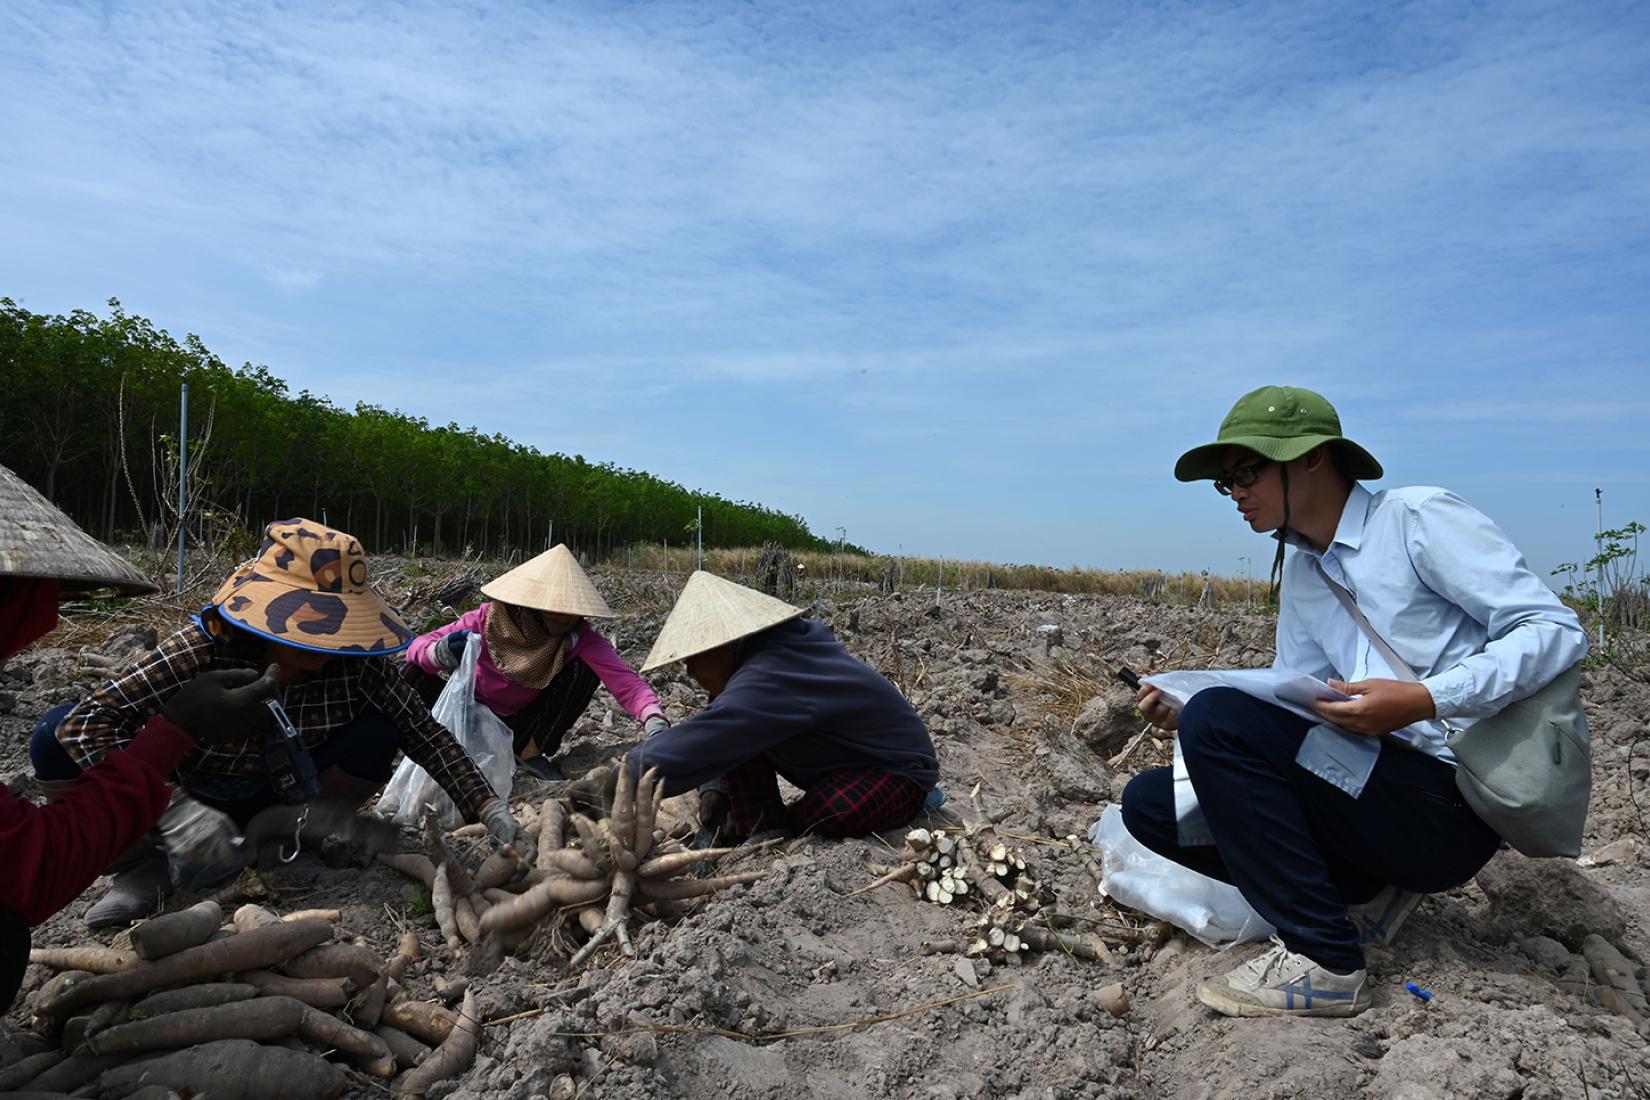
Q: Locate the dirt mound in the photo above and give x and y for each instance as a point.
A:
(791, 987)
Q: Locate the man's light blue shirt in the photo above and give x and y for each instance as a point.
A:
(1451, 595)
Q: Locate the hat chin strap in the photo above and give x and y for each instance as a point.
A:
(1280, 535)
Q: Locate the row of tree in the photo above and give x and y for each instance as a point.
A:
(89, 414)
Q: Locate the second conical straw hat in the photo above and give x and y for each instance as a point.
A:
(37, 539)
(712, 612)
(552, 581)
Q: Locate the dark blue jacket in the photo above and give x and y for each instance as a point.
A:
(802, 700)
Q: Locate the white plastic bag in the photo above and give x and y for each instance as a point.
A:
(1134, 875)
(481, 733)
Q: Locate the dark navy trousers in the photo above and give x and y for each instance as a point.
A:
(1300, 849)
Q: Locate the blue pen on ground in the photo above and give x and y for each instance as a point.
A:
(1424, 995)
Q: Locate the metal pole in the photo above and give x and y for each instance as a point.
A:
(699, 537)
(1598, 543)
(183, 476)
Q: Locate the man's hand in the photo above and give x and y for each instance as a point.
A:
(655, 725)
(507, 830)
(202, 844)
(1154, 710)
(223, 707)
(1381, 706)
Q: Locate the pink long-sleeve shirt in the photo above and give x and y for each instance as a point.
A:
(506, 697)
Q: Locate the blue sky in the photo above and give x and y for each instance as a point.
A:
(958, 278)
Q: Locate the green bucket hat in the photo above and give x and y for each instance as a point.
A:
(1281, 423)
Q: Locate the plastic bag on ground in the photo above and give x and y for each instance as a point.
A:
(1208, 910)
(481, 733)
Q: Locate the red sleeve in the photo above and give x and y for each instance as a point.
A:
(55, 851)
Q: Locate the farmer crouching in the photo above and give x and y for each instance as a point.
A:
(540, 658)
(786, 699)
(54, 852)
(304, 606)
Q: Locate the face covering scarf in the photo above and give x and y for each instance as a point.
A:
(523, 647)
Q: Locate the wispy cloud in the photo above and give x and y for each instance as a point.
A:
(1025, 251)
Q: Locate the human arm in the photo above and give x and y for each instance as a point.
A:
(118, 709)
(624, 682)
(1465, 558)
(424, 651)
(752, 715)
(55, 851)
(430, 744)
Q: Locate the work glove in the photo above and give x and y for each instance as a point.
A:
(449, 651)
(594, 793)
(713, 817)
(507, 830)
(203, 846)
(657, 724)
(224, 707)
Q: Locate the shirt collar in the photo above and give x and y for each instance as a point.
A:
(1350, 531)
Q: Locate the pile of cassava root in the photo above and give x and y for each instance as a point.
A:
(261, 1008)
(609, 871)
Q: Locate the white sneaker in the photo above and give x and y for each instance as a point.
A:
(1279, 982)
(1379, 918)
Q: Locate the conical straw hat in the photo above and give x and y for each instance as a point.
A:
(712, 612)
(552, 581)
(38, 540)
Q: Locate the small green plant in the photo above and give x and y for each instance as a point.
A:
(421, 905)
(1610, 584)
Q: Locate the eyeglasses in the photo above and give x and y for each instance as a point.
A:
(1240, 478)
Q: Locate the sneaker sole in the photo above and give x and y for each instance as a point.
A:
(1218, 996)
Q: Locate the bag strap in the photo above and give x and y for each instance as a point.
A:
(1400, 667)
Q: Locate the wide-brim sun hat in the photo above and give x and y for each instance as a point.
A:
(712, 612)
(307, 587)
(1281, 423)
(553, 581)
(40, 542)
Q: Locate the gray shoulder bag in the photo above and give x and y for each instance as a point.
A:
(1526, 770)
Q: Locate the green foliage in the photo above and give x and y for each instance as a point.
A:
(1610, 582)
(89, 416)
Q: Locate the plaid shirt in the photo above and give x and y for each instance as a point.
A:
(318, 705)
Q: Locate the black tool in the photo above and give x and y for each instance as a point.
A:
(1128, 676)
(287, 762)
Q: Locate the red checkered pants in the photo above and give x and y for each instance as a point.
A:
(845, 803)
